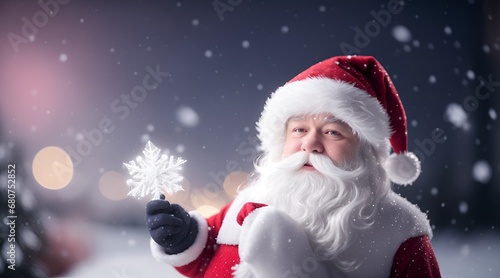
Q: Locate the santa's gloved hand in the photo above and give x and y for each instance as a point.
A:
(246, 210)
(170, 226)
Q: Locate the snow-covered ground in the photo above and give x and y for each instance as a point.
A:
(123, 252)
(476, 255)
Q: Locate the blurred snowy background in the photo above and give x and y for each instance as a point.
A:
(85, 84)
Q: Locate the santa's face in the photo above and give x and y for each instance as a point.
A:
(322, 134)
(328, 201)
(332, 197)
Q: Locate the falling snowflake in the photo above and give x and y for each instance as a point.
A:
(154, 173)
(401, 33)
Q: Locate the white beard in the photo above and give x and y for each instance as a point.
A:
(330, 202)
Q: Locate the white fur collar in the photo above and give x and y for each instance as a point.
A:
(397, 220)
(230, 230)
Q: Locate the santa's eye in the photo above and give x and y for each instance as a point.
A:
(333, 133)
(299, 130)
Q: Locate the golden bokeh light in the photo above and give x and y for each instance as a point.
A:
(180, 197)
(113, 186)
(52, 168)
(206, 198)
(235, 181)
(207, 211)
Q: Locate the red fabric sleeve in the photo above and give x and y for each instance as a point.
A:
(198, 267)
(415, 258)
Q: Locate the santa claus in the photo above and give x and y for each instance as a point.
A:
(319, 203)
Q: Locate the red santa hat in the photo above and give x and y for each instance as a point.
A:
(356, 90)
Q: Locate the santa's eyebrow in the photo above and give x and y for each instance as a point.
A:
(297, 118)
(327, 119)
(331, 119)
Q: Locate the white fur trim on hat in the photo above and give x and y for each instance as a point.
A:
(362, 112)
(403, 168)
(191, 253)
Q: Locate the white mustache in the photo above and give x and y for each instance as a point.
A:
(321, 163)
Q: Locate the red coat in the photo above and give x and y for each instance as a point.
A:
(217, 257)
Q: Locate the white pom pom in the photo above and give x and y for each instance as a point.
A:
(402, 168)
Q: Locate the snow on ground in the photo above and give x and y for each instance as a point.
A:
(462, 256)
(123, 252)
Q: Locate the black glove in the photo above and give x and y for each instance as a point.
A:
(170, 226)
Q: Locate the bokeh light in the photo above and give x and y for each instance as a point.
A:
(208, 195)
(180, 197)
(113, 186)
(52, 168)
(235, 181)
(207, 211)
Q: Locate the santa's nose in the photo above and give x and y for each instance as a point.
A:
(312, 144)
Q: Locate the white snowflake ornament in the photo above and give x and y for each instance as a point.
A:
(154, 173)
